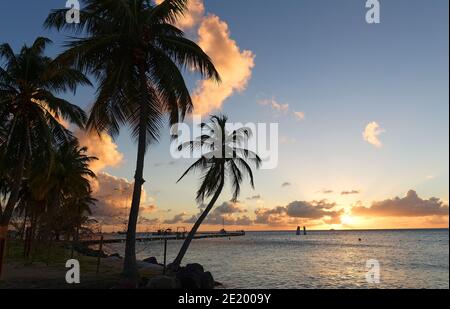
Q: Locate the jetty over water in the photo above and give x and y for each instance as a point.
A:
(177, 236)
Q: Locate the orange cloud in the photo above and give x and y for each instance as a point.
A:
(409, 206)
(193, 16)
(101, 146)
(235, 66)
(275, 105)
(371, 134)
(114, 199)
(299, 115)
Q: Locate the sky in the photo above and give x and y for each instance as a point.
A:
(362, 111)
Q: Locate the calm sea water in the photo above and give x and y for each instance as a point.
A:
(321, 259)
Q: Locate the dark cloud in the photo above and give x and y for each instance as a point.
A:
(176, 219)
(254, 197)
(286, 184)
(290, 214)
(148, 221)
(350, 192)
(326, 191)
(409, 206)
(310, 210)
(229, 208)
(228, 213)
(271, 216)
(113, 196)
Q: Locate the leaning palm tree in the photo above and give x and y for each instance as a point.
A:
(30, 112)
(224, 157)
(137, 55)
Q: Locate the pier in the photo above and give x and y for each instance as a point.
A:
(178, 236)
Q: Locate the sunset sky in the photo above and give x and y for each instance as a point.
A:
(363, 113)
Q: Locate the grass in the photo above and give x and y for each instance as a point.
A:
(46, 269)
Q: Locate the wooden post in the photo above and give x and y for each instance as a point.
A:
(49, 249)
(27, 244)
(3, 236)
(100, 250)
(165, 255)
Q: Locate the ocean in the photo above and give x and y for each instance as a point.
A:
(319, 260)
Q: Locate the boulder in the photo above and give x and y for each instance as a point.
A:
(195, 267)
(163, 283)
(194, 277)
(189, 280)
(151, 260)
(207, 281)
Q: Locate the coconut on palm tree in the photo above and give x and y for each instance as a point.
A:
(138, 56)
(224, 156)
(30, 113)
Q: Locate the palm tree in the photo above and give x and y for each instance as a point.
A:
(137, 56)
(30, 112)
(69, 176)
(225, 158)
(65, 186)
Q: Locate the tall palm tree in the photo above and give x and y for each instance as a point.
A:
(137, 55)
(30, 112)
(225, 157)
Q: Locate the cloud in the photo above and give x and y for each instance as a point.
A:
(254, 197)
(176, 219)
(114, 199)
(287, 140)
(229, 208)
(351, 192)
(100, 146)
(275, 105)
(234, 66)
(299, 115)
(409, 206)
(326, 191)
(193, 16)
(228, 213)
(286, 184)
(148, 221)
(371, 134)
(311, 212)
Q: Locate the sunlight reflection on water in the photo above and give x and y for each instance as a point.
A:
(326, 259)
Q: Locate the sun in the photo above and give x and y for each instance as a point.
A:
(347, 220)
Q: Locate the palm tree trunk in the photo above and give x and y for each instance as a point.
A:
(177, 262)
(129, 267)
(15, 190)
(9, 209)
